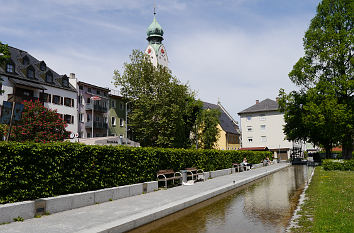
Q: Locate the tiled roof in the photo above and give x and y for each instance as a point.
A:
(226, 123)
(266, 105)
(17, 56)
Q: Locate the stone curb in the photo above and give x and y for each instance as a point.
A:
(29, 209)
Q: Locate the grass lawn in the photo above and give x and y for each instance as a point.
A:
(329, 203)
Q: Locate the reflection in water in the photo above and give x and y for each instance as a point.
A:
(263, 206)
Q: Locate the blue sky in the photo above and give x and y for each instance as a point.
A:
(233, 50)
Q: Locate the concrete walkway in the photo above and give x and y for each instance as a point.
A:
(128, 213)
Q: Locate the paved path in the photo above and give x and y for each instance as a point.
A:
(128, 213)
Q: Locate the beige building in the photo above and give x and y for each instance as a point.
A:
(229, 136)
(262, 126)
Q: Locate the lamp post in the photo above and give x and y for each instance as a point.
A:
(93, 98)
(126, 119)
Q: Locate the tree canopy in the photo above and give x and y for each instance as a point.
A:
(322, 111)
(163, 110)
(207, 128)
(39, 124)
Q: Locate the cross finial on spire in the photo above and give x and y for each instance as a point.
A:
(154, 8)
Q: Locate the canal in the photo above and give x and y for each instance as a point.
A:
(265, 205)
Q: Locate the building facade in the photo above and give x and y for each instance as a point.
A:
(26, 78)
(117, 116)
(229, 135)
(262, 126)
(92, 110)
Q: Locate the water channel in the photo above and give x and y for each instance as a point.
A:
(265, 205)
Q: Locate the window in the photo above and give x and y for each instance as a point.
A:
(88, 100)
(249, 129)
(88, 135)
(68, 119)
(262, 117)
(65, 82)
(121, 105)
(10, 68)
(89, 90)
(249, 118)
(42, 66)
(45, 97)
(49, 77)
(263, 127)
(68, 102)
(263, 138)
(121, 122)
(81, 87)
(98, 92)
(250, 139)
(25, 61)
(30, 72)
(113, 103)
(81, 118)
(88, 117)
(105, 93)
(113, 121)
(0, 88)
(97, 118)
(56, 99)
(80, 99)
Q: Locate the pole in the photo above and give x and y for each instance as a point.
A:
(11, 118)
(126, 120)
(93, 106)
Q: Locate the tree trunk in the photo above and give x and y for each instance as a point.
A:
(347, 147)
(328, 151)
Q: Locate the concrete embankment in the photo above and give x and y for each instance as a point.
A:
(131, 212)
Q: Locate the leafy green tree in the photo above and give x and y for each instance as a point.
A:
(208, 131)
(163, 110)
(322, 111)
(4, 50)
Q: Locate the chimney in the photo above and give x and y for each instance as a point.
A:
(72, 75)
(257, 101)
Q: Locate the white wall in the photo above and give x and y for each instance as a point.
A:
(273, 132)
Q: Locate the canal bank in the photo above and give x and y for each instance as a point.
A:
(129, 213)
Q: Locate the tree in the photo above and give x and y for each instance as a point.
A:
(322, 111)
(39, 124)
(208, 131)
(163, 110)
(4, 56)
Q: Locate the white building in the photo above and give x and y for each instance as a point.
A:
(262, 126)
(26, 78)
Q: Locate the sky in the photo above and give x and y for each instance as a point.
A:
(234, 51)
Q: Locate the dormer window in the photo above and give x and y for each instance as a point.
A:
(25, 61)
(65, 81)
(42, 66)
(49, 77)
(10, 68)
(30, 72)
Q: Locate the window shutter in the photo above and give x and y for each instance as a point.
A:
(49, 98)
(61, 100)
(72, 119)
(72, 103)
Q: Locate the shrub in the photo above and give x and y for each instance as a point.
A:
(32, 170)
(342, 165)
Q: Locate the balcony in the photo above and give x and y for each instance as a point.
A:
(21, 98)
(97, 108)
(96, 124)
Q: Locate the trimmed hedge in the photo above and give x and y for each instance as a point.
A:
(33, 170)
(342, 165)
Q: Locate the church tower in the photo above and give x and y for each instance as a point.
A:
(156, 50)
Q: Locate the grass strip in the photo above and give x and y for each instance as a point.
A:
(329, 203)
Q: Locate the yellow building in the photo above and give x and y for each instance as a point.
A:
(229, 135)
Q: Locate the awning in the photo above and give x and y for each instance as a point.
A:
(27, 84)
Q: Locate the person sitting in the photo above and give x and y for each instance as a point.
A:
(266, 162)
(245, 164)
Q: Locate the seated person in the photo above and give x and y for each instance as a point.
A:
(266, 162)
(245, 164)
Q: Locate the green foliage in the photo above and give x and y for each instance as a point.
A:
(346, 165)
(322, 111)
(4, 50)
(3, 131)
(33, 170)
(39, 124)
(163, 110)
(208, 132)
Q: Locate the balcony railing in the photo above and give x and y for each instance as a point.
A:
(97, 108)
(96, 124)
(21, 98)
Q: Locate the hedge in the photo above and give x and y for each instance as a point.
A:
(33, 170)
(342, 165)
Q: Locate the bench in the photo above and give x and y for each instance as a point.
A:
(195, 173)
(237, 165)
(166, 175)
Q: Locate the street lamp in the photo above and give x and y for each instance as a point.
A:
(93, 98)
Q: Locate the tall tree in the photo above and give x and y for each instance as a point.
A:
(322, 111)
(39, 124)
(207, 128)
(163, 110)
(5, 53)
